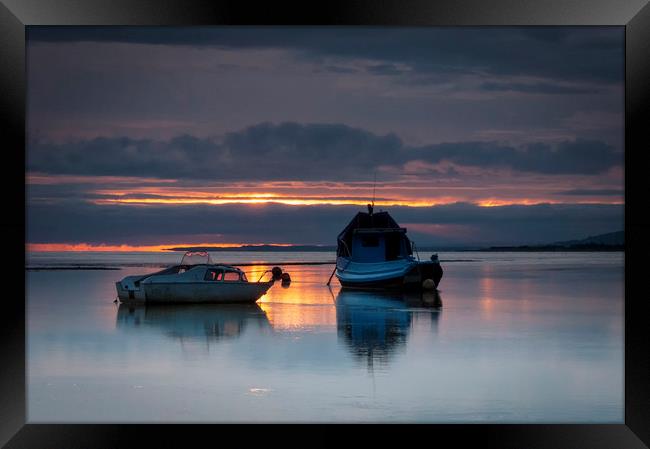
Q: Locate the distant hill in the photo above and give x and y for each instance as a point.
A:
(612, 241)
(267, 248)
(611, 238)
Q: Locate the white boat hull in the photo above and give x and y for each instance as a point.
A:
(189, 282)
(195, 293)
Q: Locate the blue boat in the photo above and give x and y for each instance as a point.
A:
(374, 252)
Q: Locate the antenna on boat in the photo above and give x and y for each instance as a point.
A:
(372, 205)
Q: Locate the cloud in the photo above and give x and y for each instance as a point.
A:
(570, 53)
(264, 151)
(337, 69)
(385, 69)
(85, 89)
(293, 151)
(592, 192)
(537, 88)
(588, 157)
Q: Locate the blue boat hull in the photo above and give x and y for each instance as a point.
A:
(401, 274)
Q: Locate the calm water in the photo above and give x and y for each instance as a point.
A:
(521, 338)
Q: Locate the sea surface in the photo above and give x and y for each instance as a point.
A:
(520, 338)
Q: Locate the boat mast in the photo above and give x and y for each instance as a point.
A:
(374, 184)
(371, 206)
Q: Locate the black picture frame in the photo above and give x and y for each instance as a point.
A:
(634, 15)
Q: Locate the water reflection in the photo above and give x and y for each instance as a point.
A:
(516, 342)
(376, 325)
(197, 321)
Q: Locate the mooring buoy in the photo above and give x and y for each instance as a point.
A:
(428, 284)
(277, 273)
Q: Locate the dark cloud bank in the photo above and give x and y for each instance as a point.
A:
(292, 151)
(560, 53)
(73, 222)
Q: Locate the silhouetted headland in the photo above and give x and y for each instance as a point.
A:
(264, 248)
(612, 241)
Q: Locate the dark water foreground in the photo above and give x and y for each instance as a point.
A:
(521, 337)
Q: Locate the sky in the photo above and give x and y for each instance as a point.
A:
(148, 137)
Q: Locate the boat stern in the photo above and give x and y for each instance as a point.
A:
(129, 293)
(263, 287)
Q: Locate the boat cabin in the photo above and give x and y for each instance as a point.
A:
(373, 238)
(224, 274)
(194, 267)
(197, 273)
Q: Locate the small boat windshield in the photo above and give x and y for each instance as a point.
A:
(196, 258)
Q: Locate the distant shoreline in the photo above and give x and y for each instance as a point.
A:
(524, 248)
(67, 267)
(556, 248)
(256, 248)
(120, 266)
(563, 247)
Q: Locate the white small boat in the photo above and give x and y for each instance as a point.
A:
(195, 280)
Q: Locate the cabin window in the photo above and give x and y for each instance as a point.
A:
(212, 275)
(393, 246)
(243, 277)
(231, 276)
(369, 241)
(368, 248)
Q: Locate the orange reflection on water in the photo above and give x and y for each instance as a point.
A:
(488, 301)
(305, 303)
(500, 297)
(253, 272)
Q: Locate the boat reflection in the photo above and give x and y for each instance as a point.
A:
(195, 321)
(376, 325)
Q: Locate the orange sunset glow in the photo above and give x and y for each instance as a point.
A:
(44, 247)
(394, 193)
(273, 199)
(110, 192)
(270, 199)
(131, 191)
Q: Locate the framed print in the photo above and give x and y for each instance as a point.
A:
(348, 213)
